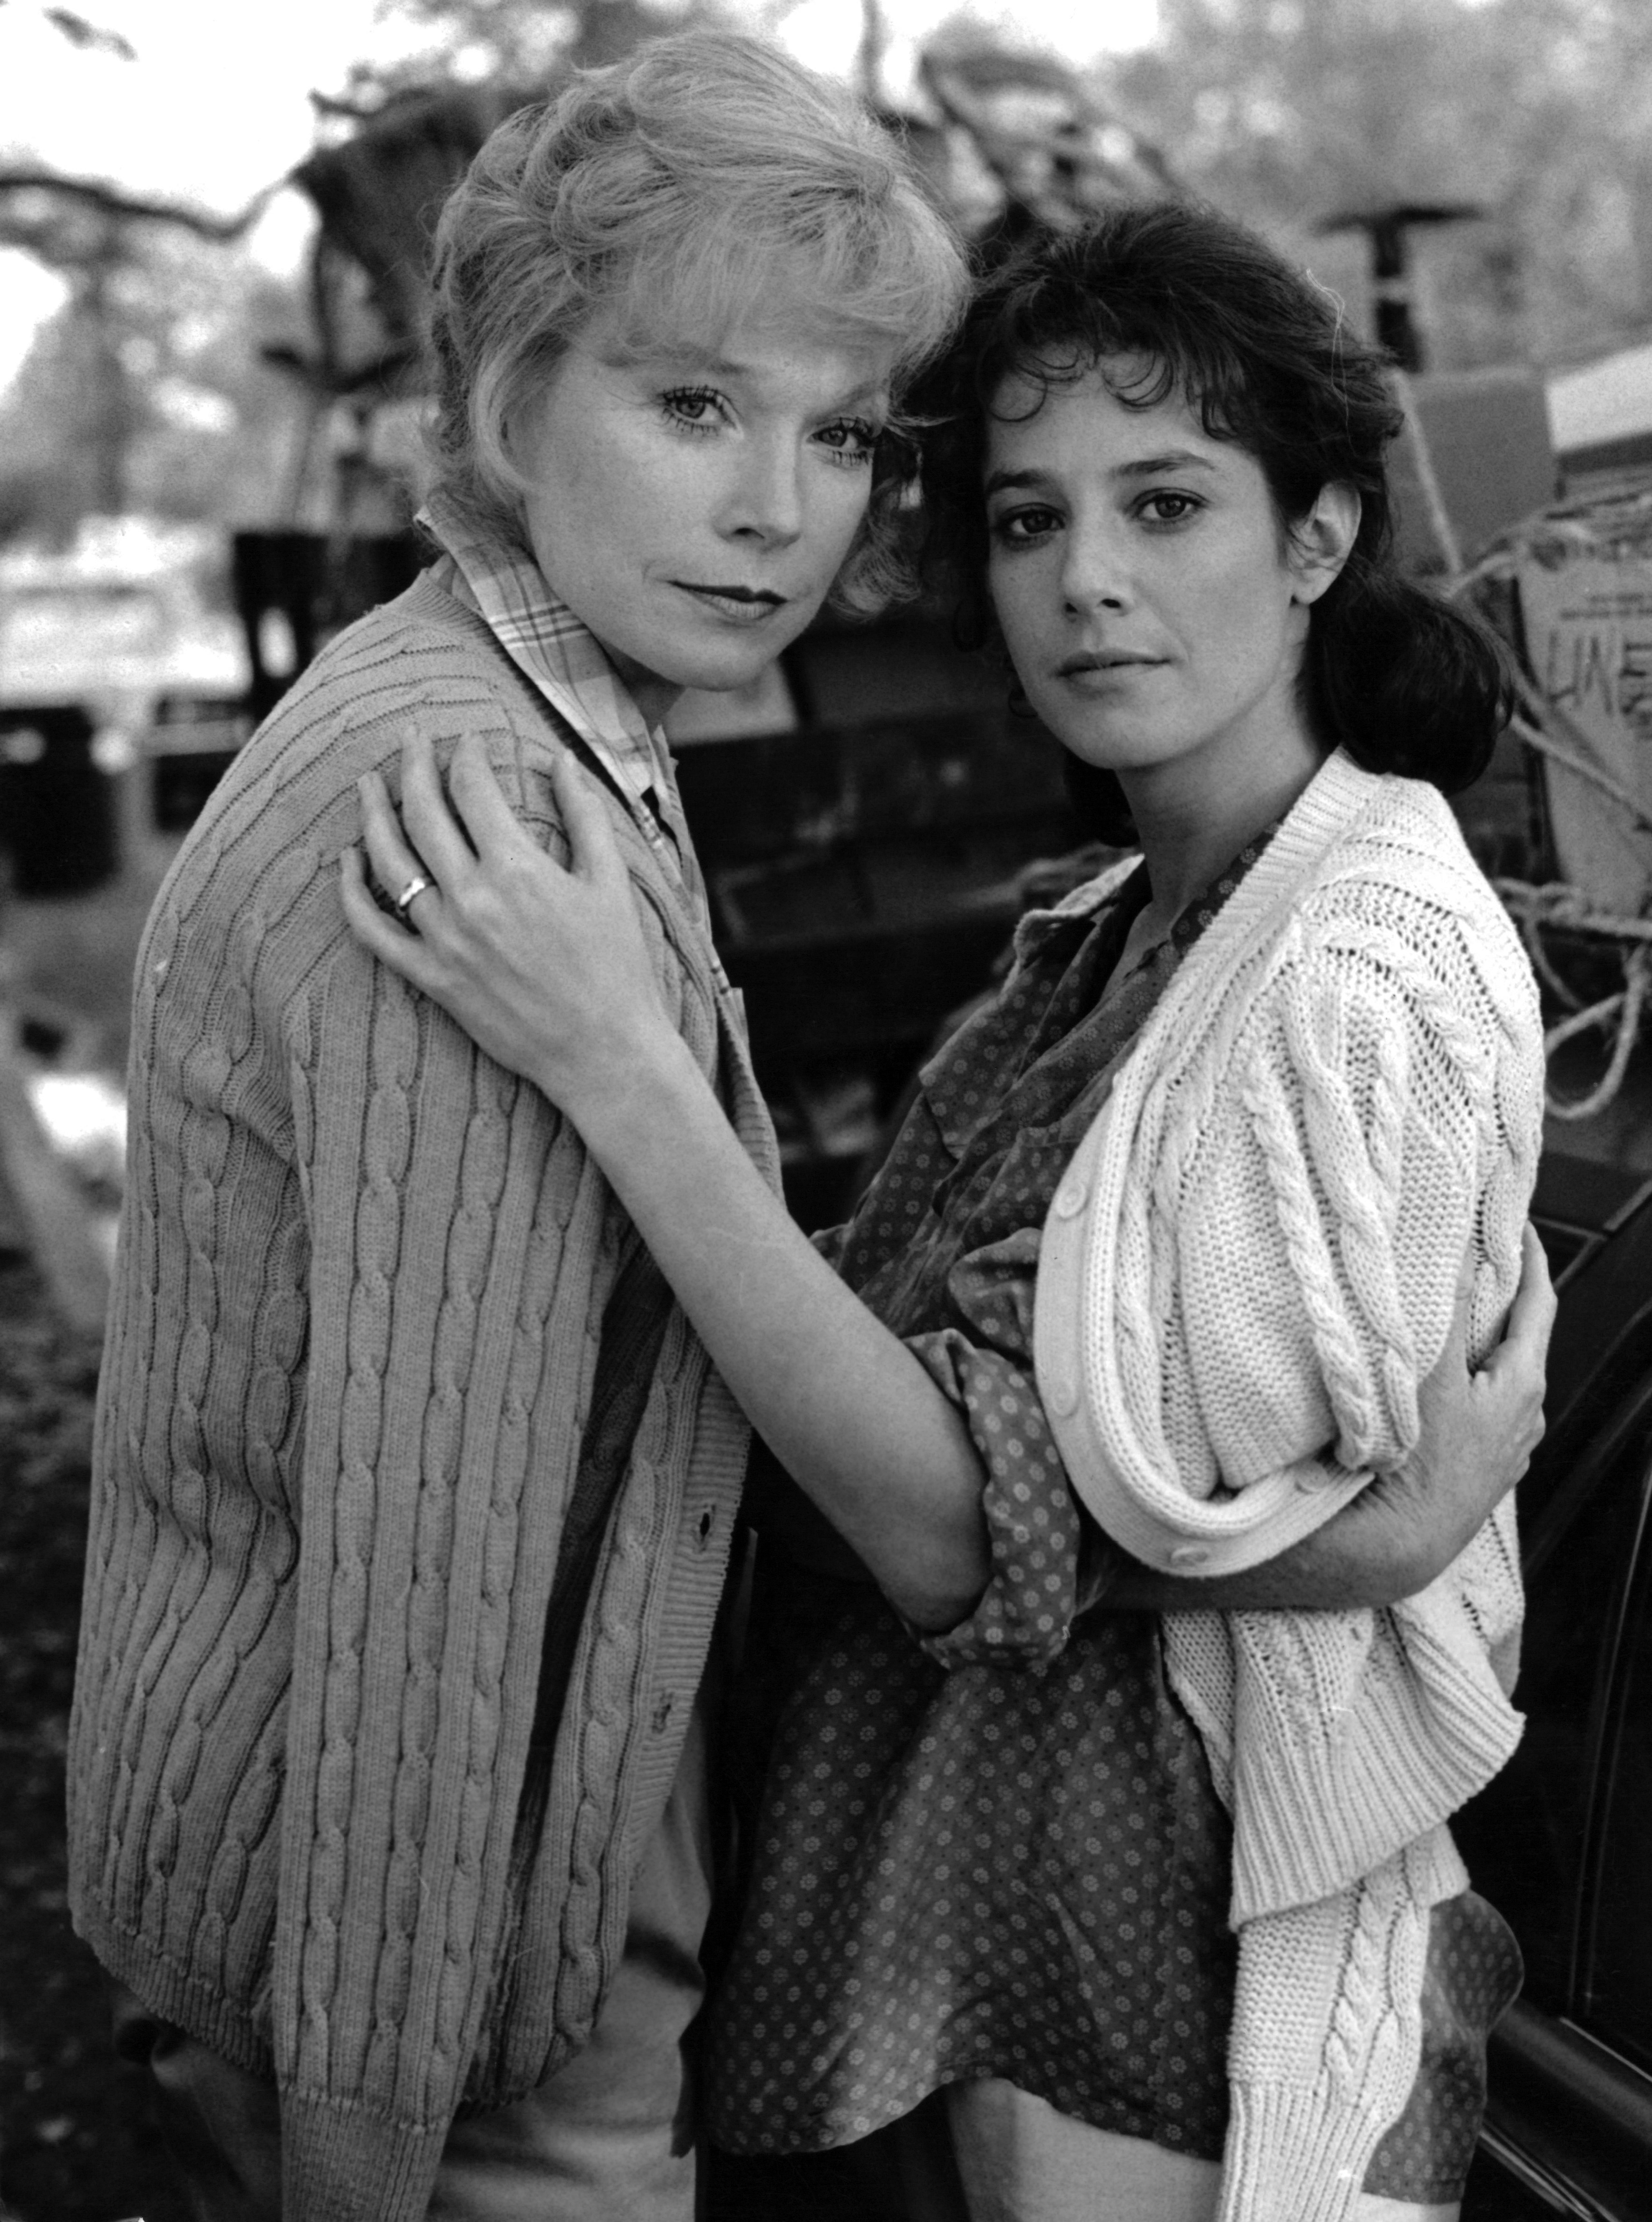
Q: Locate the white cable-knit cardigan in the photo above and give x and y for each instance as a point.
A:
(1247, 1269)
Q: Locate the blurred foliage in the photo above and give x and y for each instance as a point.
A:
(181, 379)
(520, 42)
(146, 393)
(1540, 111)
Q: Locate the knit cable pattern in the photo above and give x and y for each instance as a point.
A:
(351, 1353)
(1249, 1266)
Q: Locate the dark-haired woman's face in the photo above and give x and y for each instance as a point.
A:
(1154, 607)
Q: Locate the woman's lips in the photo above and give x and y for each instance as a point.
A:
(739, 605)
(1077, 667)
(1101, 674)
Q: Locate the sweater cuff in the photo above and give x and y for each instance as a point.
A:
(1297, 2150)
(343, 2163)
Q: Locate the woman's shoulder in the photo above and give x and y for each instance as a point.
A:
(420, 663)
(1400, 877)
(288, 803)
(419, 647)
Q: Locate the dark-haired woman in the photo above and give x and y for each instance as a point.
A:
(999, 1855)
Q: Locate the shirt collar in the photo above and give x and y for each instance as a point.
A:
(552, 649)
(1191, 920)
(1201, 912)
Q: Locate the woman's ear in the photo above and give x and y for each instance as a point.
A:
(1322, 542)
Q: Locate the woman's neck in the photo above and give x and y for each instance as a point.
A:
(1194, 814)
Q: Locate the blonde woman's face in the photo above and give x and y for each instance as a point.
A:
(692, 509)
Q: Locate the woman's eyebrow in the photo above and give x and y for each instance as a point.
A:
(1002, 481)
(869, 390)
(1142, 466)
(1173, 459)
(698, 362)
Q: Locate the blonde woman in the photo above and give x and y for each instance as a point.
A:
(414, 1489)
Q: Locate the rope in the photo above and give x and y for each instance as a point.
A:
(1543, 965)
(1627, 1008)
(1551, 732)
(1534, 729)
(1558, 905)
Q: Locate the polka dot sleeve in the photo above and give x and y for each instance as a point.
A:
(1025, 1612)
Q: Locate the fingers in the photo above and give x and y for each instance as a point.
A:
(394, 863)
(593, 849)
(1512, 1382)
(1442, 1385)
(495, 831)
(430, 821)
(393, 944)
(1531, 1316)
(1456, 1341)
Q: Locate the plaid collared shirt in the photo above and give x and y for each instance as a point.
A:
(556, 652)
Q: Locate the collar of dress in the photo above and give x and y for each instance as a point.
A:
(551, 647)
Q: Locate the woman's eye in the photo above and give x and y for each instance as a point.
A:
(852, 440)
(1020, 528)
(1167, 508)
(693, 407)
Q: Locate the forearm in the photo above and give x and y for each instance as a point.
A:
(844, 1405)
(1391, 1542)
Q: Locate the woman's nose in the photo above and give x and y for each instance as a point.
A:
(766, 500)
(1095, 574)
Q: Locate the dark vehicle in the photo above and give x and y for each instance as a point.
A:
(1561, 1841)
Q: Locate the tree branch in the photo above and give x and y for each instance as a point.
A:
(111, 202)
(80, 31)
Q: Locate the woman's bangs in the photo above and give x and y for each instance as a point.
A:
(828, 289)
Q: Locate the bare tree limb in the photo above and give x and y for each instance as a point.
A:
(109, 201)
(79, 31)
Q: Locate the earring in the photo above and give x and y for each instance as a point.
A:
(1019, 706)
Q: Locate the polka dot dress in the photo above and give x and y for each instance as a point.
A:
(997, 1852)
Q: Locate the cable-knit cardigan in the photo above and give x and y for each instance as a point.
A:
(1244, 1274)
(335, 1804)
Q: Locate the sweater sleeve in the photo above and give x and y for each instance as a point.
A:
(1368, 1134)
(1253, 1256)
(1383, 1128)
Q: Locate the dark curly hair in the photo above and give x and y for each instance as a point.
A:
(1203, 308)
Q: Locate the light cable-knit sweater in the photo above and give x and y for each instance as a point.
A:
(413, 1489)
(1245, 1273)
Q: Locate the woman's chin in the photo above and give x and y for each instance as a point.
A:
(721, 673)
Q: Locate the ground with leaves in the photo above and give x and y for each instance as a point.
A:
(74, 2145)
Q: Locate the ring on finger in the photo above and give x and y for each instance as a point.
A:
(415, 886)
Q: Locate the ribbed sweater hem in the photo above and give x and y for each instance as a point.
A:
(1296, 2153)
(342, 2163)
(1389, 1782)
(170, 1993)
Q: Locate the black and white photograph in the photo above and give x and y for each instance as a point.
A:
(826, 1111)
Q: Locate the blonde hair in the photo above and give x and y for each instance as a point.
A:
(707, 180)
